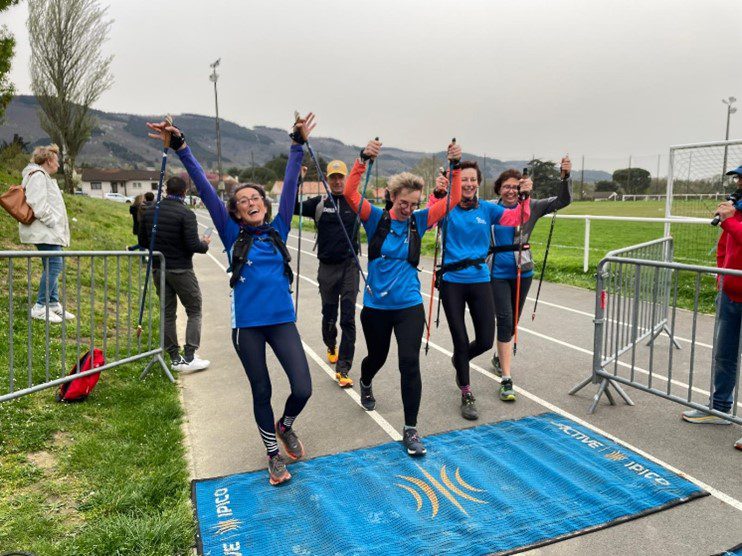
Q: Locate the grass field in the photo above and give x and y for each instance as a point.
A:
(103, 477)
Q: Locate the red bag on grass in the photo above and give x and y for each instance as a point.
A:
(79, 389)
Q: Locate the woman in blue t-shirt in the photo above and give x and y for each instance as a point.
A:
(261, 303)
(392, 301)
(464, 276)
(505, 262)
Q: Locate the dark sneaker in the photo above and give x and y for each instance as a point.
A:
(469, 407)
(412, 443)
(507, 394)
(496, 365)
(367, 398)
(291, 443)
(277, 472)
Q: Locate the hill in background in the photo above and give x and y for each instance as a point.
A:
(120, 141)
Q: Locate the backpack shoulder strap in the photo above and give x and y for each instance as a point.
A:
(319, 210)
(415, 245)
(377, 240)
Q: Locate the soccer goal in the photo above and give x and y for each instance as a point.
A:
(696, 184)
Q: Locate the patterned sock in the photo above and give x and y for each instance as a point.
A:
(285, 422)
(466, 390)
(273, 454)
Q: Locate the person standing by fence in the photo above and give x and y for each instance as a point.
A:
(729, 315)
(140, 204)
(337, 275)
(177, 238)
(50, 231)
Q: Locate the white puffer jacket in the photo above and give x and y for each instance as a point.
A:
(45, 198)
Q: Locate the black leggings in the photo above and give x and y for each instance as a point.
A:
(408, 325)
(503, 293)
(286, 344)
(478, 297)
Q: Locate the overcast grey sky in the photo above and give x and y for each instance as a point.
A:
(508, 78)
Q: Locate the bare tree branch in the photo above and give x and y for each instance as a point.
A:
(68, 70)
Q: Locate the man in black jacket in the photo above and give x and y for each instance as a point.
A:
(177, 238)
(338, 274)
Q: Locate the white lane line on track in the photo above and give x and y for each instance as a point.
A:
(375, 415)
(638, 369)
(727, 499)
(554, 305)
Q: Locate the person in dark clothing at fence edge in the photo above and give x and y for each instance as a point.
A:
(136, 209)
(177, 238)
(338, 275)
(728, 315)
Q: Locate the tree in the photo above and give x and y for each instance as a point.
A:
(7, 48)
(606, 185)
(546, 178)
(68, 71)
(633, 181)
(428, 170)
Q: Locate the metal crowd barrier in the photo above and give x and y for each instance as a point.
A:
(637, 298)
(102, 289)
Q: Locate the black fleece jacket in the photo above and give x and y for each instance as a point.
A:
(177, 233)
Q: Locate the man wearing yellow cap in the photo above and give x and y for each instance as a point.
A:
(338, 274)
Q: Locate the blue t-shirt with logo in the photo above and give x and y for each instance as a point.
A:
(262, 295)
(468, 237)
(393, 281)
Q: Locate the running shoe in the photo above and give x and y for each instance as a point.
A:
(367, 398)
(332, 355)
(412, 443)
(344, 381)
(701, 417)
(58, 310)
(507, 394)
(496, 365)
(277, 472)
(194, 364)
(469, 407)
(291, 443)
(39, 312)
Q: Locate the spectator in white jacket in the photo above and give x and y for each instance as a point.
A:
(50, 231)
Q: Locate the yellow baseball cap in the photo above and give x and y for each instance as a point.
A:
(337, 167)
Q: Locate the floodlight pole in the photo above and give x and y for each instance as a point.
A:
(214, 77)
(729, 102)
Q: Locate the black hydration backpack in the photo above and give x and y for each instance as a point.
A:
(241, 249)
(383, 229)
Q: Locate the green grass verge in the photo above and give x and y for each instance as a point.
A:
(104, 477)
(694, 244)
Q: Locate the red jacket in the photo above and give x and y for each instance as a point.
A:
(729, 254)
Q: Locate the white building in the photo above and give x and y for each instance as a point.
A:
(97, 182)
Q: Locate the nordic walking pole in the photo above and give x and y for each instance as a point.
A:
(166, 144)
(357, 221)
(444, 231)
(565, 176)
(322, 178)
(432, 280)
(299, 196)
(543, 266)
(521, 199)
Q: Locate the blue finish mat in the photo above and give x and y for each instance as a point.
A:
(496, 488)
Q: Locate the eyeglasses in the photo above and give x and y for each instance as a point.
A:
(245, 200)
(407, 205)
(509, 188)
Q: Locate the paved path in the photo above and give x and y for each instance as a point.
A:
(554, 354)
